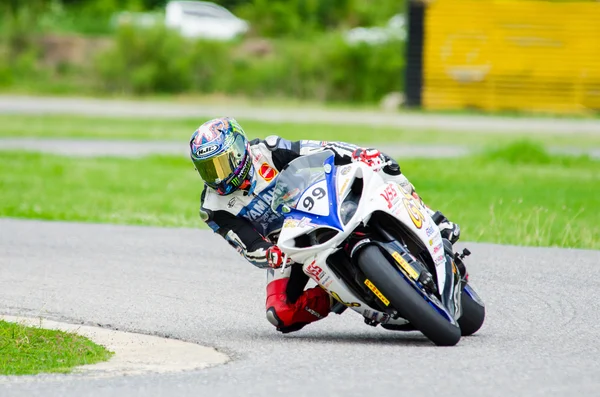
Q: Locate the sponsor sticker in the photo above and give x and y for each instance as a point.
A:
(206, 150)
(315, 271)
(339, 299)
(345, 170)
(259, 212)
(412, 273)
(311, 311)
(291, 222)
(377, 293)
(267, 172)
(344, 186)
(304, 222)
(430, 230)
(390, 195)
(413, 211)
(231, 202)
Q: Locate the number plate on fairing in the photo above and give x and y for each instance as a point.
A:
(315, 199)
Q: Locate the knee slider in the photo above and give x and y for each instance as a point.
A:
(273, 318)
(280, 315)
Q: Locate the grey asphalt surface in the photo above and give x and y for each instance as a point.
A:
(11, 104)
(95, 147)
(540, 337)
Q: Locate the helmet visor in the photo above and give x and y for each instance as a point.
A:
(216, 169)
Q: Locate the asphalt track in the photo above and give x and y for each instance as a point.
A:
(10, 104)
(540, 337)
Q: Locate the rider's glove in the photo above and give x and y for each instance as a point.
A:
(370, 157)
(274, 257)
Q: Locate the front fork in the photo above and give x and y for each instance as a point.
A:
(403, 259)
(418, 272)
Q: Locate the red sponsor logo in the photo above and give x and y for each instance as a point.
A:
(267, 172)
(315, 271)
(390, 195)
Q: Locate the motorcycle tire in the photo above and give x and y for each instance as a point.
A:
(473, 315)
(403, 297)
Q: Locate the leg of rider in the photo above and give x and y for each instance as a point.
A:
(296, 284)
(289, 307)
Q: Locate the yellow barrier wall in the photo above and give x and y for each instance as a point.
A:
(507, 55)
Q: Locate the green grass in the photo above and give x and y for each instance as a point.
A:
(161, 191)
(517, 195)
(181, 129)
(31, 350)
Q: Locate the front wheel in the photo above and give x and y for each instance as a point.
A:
(405, 299)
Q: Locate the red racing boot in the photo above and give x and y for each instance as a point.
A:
(314, 304)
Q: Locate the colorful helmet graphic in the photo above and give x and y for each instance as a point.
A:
(221, 153)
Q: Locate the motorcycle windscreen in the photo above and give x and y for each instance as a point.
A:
(302, 175)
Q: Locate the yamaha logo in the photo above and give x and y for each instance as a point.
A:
(204, 151)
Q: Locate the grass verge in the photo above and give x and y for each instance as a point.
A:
(516, 195)
(31, 350)
(181, 129)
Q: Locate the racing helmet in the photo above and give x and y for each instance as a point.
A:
(221, 154)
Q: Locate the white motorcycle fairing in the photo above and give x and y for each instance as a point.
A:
(320, 219)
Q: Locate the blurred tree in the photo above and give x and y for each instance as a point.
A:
(302, 17)
(272, 18)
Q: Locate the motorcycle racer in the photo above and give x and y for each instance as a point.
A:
(239, 180)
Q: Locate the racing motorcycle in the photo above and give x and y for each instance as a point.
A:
(374, 248)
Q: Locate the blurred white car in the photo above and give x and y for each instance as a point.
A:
(192, 19)
(395, 29)
(202, 19)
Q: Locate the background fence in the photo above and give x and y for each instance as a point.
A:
(512, 55)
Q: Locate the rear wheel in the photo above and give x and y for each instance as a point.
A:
(403, 297)
(473, 313)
